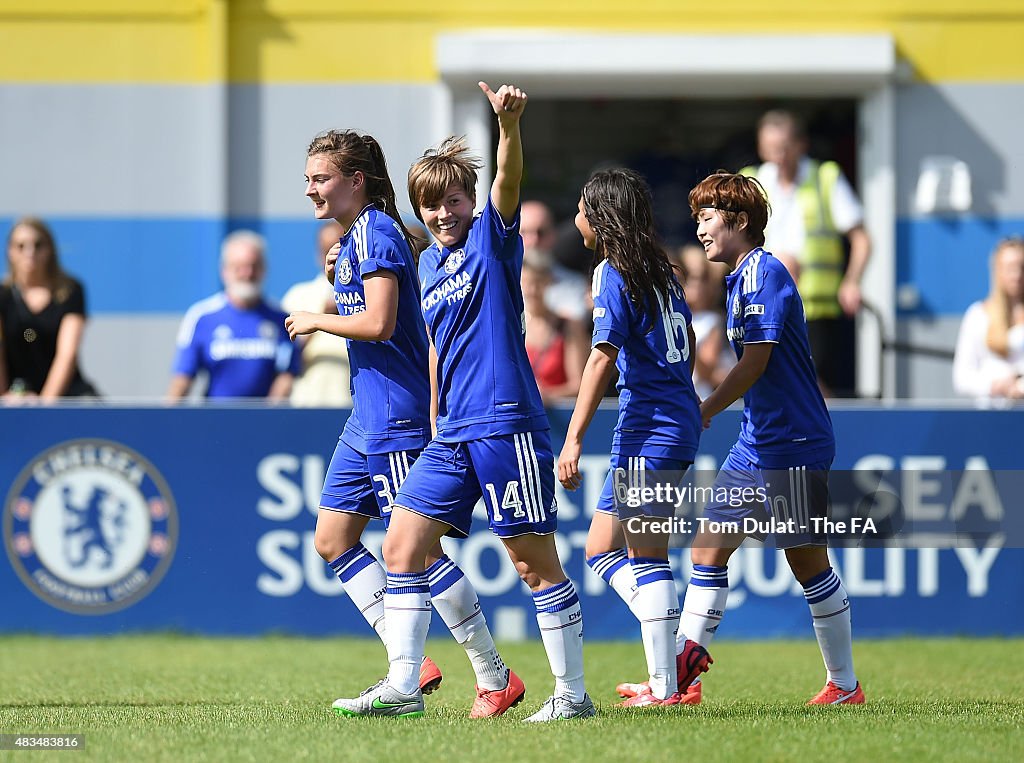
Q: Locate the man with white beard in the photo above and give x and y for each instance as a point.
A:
(236, 336)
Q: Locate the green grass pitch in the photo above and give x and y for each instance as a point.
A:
(178, 698)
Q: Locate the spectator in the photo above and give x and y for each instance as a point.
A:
(325, 378)
(989, 360)
(566, 292)
(702, 283)
(235, 336)
(557, 347)
(42, 319)
(812, 208)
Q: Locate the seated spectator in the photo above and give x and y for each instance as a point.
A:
(557, 347)
(989, 360)
(702, 284)
(236, 336)
(566, 291)
(42, 319)
(325, 380)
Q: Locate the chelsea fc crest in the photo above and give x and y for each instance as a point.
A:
(90, 526)
(454, 261)
(344, 270)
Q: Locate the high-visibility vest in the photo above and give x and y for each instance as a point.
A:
(822, 262)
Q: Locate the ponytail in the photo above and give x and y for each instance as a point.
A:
(352, 152)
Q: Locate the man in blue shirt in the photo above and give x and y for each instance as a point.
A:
(775, 478)
(236, 336)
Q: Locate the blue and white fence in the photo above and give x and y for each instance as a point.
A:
(201, 520)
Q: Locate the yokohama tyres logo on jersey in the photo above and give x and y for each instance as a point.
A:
(90, 526)
(451, 290)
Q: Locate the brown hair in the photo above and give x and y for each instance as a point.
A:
(997, 306)
(732, 194)
(438, 168)
(352, 152)
(619, 209)
(57, 280)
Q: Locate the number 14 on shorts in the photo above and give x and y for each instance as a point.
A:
(510, 501)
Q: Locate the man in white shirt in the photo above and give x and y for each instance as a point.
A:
(812, 208)
(325, 376)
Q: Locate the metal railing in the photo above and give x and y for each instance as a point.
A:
(894, 346)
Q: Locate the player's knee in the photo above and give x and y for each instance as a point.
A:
(807, 562)
(710, 556)
(400, 554)
(528, 575)
(330, 547)
(595, 548)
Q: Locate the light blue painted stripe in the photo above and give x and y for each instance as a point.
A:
(947, 260)
(161, 265)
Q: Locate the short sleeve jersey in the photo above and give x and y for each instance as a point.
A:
(30, 339)
(659, 413)
(390, 382)
(242, 350)
(473, 305)
(785, 420)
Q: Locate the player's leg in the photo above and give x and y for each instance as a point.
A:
(606, 548)
(807, 497)
(452, 595)
(346, 506)
(407, 616)
(455, 601)
(719, 535)
(656, 606)
(517, 479)
(411, 535)
(560, 620)
(337, 540)
(656, 603)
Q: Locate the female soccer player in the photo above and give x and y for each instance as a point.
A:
(786, 445)
(492, 432)
(642, 327)
(377, 292)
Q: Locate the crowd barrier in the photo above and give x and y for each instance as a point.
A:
(200, 520)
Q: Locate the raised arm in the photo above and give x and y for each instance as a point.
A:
(508, 104)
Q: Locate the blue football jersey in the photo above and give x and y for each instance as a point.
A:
(389, 380)
(659, 412)
(785, 421)
(473, 306)
(242, 351)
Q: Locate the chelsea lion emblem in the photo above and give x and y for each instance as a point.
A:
(90, 526)
(344, 270)
(454, 261)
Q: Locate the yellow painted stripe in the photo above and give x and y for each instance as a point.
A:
(281, 41)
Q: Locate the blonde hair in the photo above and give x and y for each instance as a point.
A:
(433, 173)
(997, 306)
(58, 281)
